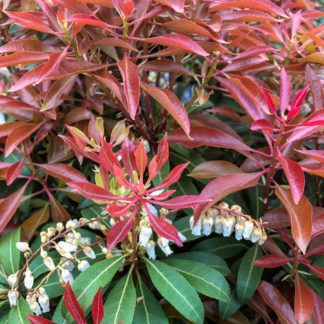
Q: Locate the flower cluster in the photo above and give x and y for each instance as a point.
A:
(228, 220)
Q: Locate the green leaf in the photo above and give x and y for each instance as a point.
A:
(120, 305)
(224, 247)
(226, 309)
(9, 254)
(209, 259)
(148, 309)
(205, 280)
(92, 211)
(19, 313)
(176, 289)
(53, 286)
(249, 276)
(88, 282)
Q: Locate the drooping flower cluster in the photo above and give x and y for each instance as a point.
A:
(227, 220)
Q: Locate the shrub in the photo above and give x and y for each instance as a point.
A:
(162, 161)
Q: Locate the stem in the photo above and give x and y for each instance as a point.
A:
(135, 233)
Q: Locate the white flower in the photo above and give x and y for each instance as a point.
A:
(59, 227)
(22, 246)
(195, 229)
(248, 228)
(43, 253)
(13, 296)
(146, 146)
(66, 276)
(33, 304)
(72, 223)
(207, 224)
(51, 231)
(13, 280)
(68, 265)
(94, 224)
(150, 250)
(219, 221)
(83, 265)
(43, 300)
(256, 235)
(236, 209)
(29, 279)
(44, 237)
(65, 249)
(163, 243)
(48, 261)
(145, 234)
(263, 238)
(239, 227)
(85, 240)
(223, 208)
(228, 225)
(182, 237)
(104, 250)
(87, 250)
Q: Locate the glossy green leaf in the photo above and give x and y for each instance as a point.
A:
(9, 254)
(148, 309)
(19, 313)
(226, 309)
(249, 276)
(176, 289)
(205, 280)
(121, 301)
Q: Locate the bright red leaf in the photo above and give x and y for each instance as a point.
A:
(73, 306)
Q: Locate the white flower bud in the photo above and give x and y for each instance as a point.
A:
(256, 235)
(72, 223)
(263, 238)
(66, 276)
(68, 265)
(236, 209)
(59, 227)
(83, 265)
(223, 208)
(13, 296)
(65, 249)
(248, 228)
(43, 300)
(22, 246)
(87, 250)
(219, 220)
(228, 225)
(144, 235)
(95, 225)
(212, 212)
(48, 261)
(239, 227)
(207, 224)
(51, 232)
(150, 250)
(195, 229)
(29, 279)
(33, 304)
(44, 237)
(43, 253)
(146, 146)
(163, 243)
(104, 250)
(85, 240)
(13, 280)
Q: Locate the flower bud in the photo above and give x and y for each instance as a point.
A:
(29, 279)
(83, 265)
(66, 276)
(228, 225)
(72, 223)
(43, 300)
(65, 249)
(207, 224)
(145, 234)
(59, 227)
(263, 238)
(87, 250)
(239, 227)
(33, 304)
(150, 250)
(163, 243)
(195, 229)
(223, 206)
(256, 235)
(248, 228)
(48, 261)
(43, 237)
(68, 265)
(219, 224)
(13, 280)
(22, 246)
(236, 209)
(43, 253)
(212, 212)
(13, 296)
(51, 232)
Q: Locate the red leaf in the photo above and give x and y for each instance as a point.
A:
(297, 102)
(300, 217)
(63, 171)
(223, 186)
(120, 230)
(285, 90)
(9, 205)
(18, 135)
(127, 151)
(73, 306)
(107, 157)
(274, 299)
(318, 225)
(295, 177)
(276, 218)
(202, 136)
(127, 7)
(141, 159)
(93, 192)
(176, 5)
(22, 59)
(14, 171)
(129, 73)
(318, 309)
(58, 212)
(181, 202)
(25, 45)
(270, 103)
(163, 228)
(303, 304)
(319, 271)
(272, 261)
(315, 87)
(177, 41)
(263, 125)
(314, 154)
(97, 307)
(110, 41)
(162, 155)
(170, 102)
(33, 319)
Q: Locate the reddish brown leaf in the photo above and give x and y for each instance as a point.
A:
(297, 102)
(295, 177)
(73, 306)
(165, 65)
(300, 217)
(129, 72)
(58, 212)
(176, 5)
(33, 319)
(314, 154)
(63, 171)
(319, 271)
(14, 171)
(170, 102)
(315, 87)
(285, 90)
(262, 125)
(25, 45)
(141, 159)
(276, 218)
(272, 261)
(318, 309)
(318, 225)
(162, 155)
(181, 202)
(274, 299)
(9, 205)
(22, 59)
(303, 304)
(97, 307)
(115, 42)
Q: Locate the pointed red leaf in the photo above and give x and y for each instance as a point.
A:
(128, 157)
(285, 90)
(58, 212)
(313, 154)
(300, 217)
(272, 261)
(319, 271)
(162, 155)
(181, 202)
(170, 102)
(129, 73)
(120, 210)
(22, 59)
(297, 102)
(33, 319)
(107, 157)
(73, 306)
(14, 171)
(262, 125)
(318, 309)
(276, 301)
(295, 177)
(269, 102)
(141, 159)
(176, 5)
(97, 307)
